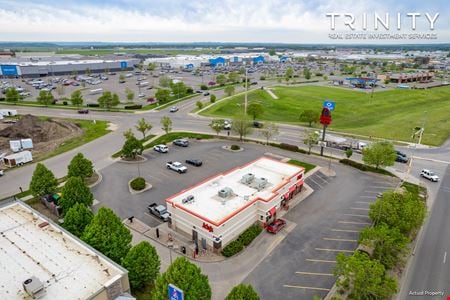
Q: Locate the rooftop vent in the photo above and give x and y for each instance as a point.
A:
(248, 178)
(188, 199)
(225, 192)
(260, 183)
(34, 287)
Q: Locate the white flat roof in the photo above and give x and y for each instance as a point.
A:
(208, 205)
(64, 62)
(66, 266)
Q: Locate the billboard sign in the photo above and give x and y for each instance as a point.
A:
(123, 64)
(329, 104)
(175, 293)
(9, 70)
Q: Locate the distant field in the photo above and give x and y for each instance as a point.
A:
(137, 51)
(389, 114)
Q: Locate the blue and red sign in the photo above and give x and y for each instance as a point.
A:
(325, 116)
(175, 293)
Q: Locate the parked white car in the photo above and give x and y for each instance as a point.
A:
(161, 148)
(429, 175)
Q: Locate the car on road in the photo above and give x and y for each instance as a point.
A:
(174, 109)
(161, 148)
(399, 153)
(83, 111)
(176, 166)
(401, 158)
(425, 173)
(181, 142)
(227, 125)
(257, 124)
(159, 211)
(194, 162)
(276, 226)
(205, 94)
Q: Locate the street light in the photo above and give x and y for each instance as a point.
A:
(246, 88)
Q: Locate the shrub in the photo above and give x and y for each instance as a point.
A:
(138, 184)
(364, 167)
(2, 98)
(289, 147)
(134, 106)
(232, 248)
(93, 105)
(190, 90)
(235, 147)
(262, 78)
(203, 87)
(65, 103)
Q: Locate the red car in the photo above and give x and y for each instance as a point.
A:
(276, 226)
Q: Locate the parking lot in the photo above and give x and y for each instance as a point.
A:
(327, 223)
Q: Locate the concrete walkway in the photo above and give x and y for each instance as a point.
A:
(269, 91)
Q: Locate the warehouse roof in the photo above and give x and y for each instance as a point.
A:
(31, 246)
(208, 204)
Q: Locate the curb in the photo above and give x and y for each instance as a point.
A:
(99, 179)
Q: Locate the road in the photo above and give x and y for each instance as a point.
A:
(430, 270)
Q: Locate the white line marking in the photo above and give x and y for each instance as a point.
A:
(445, 257)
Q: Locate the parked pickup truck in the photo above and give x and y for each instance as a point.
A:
(176, 166)
(160, 211)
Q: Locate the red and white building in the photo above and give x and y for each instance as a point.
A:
(214, 212)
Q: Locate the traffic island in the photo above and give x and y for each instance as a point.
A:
(138, 185)
(233, 148)
(136, 160)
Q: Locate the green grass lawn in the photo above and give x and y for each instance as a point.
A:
(91, 131)
(138, 51)
(389, 114)
(167, 138)
(308, 167)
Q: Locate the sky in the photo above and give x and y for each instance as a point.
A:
(280, 21)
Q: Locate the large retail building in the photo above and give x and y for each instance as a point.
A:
(215, 211)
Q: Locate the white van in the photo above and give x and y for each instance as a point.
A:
(96, 91)
(143, 83)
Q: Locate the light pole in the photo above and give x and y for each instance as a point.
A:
(246, 89)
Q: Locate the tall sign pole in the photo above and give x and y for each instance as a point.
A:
(325, 120)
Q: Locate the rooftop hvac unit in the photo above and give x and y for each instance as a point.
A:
(260, 183)
(188, 199)
(225, 192)
(34, 287)
(248, 178)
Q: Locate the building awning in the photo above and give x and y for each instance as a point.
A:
(299, 183)
(273, 211)
(286, 196)
(292, 188)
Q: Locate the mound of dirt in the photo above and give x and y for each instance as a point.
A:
(40, 130)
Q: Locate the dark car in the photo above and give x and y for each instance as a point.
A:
(401, 159)
(257, 124)
(181, 142)
(205, 94)
(276, 226)
(83, 111)
(400, 153)
(194, 162)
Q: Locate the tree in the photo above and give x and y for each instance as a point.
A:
(179, 89)
(43, 182)
(45, 98)
(107, 234)
(132, 147)
(217, 125)
(221, 79)
(403, 211)
(307, 73)
(241, 125)
(379, 154)
(80, 167)
(162, 95)
(389, 244)
(212, 98)
(365, 278)
(151, 66)
(77, 218)
(272, 52)
(76, 98)
(108, 100)
(165, 81)
(75, 191)
(229, 90)
(12, 95)
(349, 152)
(143, 127)
(289, 74)
(121, 78)
(255, 110)
(241, 292)
(166, 123)
(130, 94)
(309, 116)
(234, 77)
(186, 276)
(142, 263)
(268, 131)
(312, 138)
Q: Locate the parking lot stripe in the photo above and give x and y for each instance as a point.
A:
(306, 287)
(344, 230)
(310, 178)
(351, 222)
(359, 208)
(382, 187)
(321, 260)
(355, 215)
(334, 250)
(363, 202)
(339, 240)
(365, 196)
(314, 274)
(372, 192)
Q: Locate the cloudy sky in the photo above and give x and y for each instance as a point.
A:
(290, 21)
